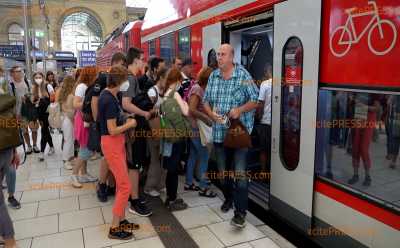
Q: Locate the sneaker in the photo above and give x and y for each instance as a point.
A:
(36, 149)
(51, 151)
(75, 182)
(226, 206)
(41, 157)
(129, 226)
(102, 192)
(110, 191)
(68, 165)
(238, 220)
(13, 203)
(353, 180)
(140, 209)
(367, 181)
(119, 233)
(153, 193)
(87, 178)
(176, 205)
(164, 190)
(29, 150)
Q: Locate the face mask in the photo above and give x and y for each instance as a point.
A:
(124, 86)
(38, 81)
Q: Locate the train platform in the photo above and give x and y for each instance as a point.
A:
(53, 214)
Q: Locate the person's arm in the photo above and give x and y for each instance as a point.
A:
(51, 92)
(94, 106)
(113, 129)
(128, 106)
(182, 104)
(193, 103)
(78, 102)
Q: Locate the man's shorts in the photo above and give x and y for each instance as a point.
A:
(84, 153)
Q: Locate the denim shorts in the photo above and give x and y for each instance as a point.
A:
(84, 153)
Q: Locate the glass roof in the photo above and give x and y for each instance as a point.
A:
(83, 19)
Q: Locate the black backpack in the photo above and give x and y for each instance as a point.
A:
(87, 115)
(142, 99)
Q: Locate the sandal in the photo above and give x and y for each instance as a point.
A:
(191, 187)
(207, 193)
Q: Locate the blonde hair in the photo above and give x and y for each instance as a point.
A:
(67, 88)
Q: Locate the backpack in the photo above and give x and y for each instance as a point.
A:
(174, 125)
(55, 115)
(142, 99)
(87, 115)
(9, 130)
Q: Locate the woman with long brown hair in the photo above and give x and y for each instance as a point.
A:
(65, 98)
(43, 94)
(172, 158)
(86, 79)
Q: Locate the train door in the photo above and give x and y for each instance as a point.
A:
(294, 106)
(211, 42)
(252, 39)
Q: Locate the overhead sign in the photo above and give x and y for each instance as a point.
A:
(87, 58)
(12, 51)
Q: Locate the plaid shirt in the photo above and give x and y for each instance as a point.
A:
(224, 95)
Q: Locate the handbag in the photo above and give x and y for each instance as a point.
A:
(237, 136)
(205, 133)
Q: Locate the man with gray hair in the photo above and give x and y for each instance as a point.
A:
(231, 92)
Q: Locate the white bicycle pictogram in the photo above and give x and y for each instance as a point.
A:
(353, 38)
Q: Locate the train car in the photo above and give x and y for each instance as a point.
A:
(125, 36)
(335, 104)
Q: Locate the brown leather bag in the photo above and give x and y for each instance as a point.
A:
(237, 136)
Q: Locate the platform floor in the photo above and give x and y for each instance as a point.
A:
(55, 215)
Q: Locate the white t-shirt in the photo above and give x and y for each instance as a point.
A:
(265, 96)
(80, 90)
(152, 93)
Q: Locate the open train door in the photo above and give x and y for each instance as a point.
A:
(212, 37)
(295, 88)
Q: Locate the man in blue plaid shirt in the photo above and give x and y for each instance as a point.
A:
(231, 92)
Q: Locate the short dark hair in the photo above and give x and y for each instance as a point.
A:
(132, 54)
(177, 57)
(155, 62)
(118, 56)
(117, 75)
(14, 68)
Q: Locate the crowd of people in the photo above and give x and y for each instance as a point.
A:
(104, 111)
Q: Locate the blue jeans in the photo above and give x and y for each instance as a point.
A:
(235, 188)
(11, 177)
(197, 152)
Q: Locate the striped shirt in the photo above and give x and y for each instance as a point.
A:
(223, 95)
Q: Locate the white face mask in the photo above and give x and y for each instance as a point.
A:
(39, 81)
(124, 86)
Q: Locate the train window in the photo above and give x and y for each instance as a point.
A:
(167, 47)
(358, 137)
(152, 48)
(184, 43)
(292, 71)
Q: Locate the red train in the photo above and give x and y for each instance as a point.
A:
(123, 37)
(334, 63)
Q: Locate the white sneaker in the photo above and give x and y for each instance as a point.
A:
(41, 157)
(75, 182)
(68, 165)
(51, 151)
(153, 193)
(87, 178)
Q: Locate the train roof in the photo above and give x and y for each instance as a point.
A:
(161, 13)
(121, 29)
